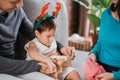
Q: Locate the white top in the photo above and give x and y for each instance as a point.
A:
(41, 47)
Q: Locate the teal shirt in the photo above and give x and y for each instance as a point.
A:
(107, 47)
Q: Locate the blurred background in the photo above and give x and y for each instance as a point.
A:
(84, 22)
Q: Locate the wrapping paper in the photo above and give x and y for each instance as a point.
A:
(91, 69)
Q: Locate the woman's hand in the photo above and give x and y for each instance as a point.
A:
(91, 57)
(105, 76)
(68, 51)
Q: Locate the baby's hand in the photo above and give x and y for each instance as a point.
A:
(91, 57)
(68, 51)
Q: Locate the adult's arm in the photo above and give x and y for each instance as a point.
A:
(26, 27)
(96, 48)
(17, 67)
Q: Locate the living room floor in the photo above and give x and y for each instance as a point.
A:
(79, 61)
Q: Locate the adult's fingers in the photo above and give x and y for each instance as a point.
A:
(73, 53)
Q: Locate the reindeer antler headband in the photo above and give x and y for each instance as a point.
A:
(44, 15)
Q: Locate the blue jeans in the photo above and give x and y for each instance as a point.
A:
(28, 76)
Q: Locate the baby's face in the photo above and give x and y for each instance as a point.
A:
(46, 37)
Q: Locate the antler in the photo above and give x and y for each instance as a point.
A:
(43, 11)
(58, 7)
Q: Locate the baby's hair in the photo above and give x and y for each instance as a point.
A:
(45, 21)
(47, 24)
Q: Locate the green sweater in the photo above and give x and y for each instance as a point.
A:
(107, 48)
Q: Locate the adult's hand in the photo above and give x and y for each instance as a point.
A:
(68, 51)
(105, 76)
(52, 66)
(91, 57)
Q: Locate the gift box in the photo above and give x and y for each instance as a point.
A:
(91, 69)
